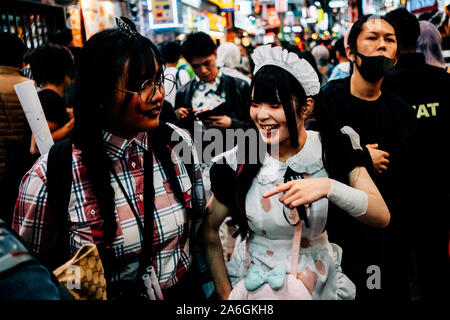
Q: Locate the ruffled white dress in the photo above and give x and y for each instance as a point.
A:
(271, 237)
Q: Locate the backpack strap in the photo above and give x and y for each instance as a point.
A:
(177, 79)
(59, 184)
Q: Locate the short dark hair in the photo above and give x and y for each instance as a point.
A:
(339, 47)
(12, 51)
(51, 63)
(27, 56)
(197, 44)
(62, 37)
(170, 51)
(357, 29)
(407, 28)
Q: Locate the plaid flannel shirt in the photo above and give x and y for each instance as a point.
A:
(171, 256)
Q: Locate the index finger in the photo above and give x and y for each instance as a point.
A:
(215, 117)
(280, 188)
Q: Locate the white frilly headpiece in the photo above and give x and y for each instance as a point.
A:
(289, 61)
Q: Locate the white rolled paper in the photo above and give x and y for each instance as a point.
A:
(35, 115)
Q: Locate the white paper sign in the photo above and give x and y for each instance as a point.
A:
(35, 115)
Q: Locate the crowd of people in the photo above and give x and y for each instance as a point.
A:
(342, 205)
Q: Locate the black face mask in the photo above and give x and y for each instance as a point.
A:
(374, 68)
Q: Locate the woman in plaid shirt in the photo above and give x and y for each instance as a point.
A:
(119, 95)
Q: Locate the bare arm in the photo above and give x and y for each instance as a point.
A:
(217, 212)
(377, 214)
(63, 132)
(57, 134)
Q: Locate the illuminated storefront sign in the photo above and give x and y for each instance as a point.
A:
(216, 22)
(99, 15)
(224, 5)
(193, 3)
(273, 19)
(75, 25)
(417, 6)
(241, 16)
(164, 14)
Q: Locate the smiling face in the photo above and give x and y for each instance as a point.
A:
(279, 108)
(271, 122)
(127, 115)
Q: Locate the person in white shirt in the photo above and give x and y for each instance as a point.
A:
(171, 53)
(228, 59)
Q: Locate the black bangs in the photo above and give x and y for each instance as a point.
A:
(143, 55)
(264, 86)
(102, 61)
(274, 85)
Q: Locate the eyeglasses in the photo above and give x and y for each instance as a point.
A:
(148, 88)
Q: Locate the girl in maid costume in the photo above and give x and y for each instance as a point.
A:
(280, 204)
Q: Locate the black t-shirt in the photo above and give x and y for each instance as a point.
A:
(389, 122)
(54, 107)
(425, 88)
(54, 110)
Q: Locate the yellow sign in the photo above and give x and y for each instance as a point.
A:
(319, 15)
(216, 22)
(226, 5)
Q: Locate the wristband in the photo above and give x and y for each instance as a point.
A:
(349, 199)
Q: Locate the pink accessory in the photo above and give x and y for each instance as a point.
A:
(291, 289)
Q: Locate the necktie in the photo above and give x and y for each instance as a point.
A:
(293, 175)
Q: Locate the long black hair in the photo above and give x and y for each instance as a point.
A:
(272, 84)
(102, 62)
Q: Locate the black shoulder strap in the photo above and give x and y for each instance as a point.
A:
(167, 131)
(59, 183)
(177, 80)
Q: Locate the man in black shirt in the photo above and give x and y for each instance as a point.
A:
(376, 260)
(424, 87)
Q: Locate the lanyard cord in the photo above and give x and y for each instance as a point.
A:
(131, 205)
(146, 230)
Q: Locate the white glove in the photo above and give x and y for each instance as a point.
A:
(352, 200)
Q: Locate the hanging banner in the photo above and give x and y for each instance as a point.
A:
(99, 15)
(75, 25)
(281, 5)
(164, 14)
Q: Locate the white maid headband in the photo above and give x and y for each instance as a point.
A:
(289, 61)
